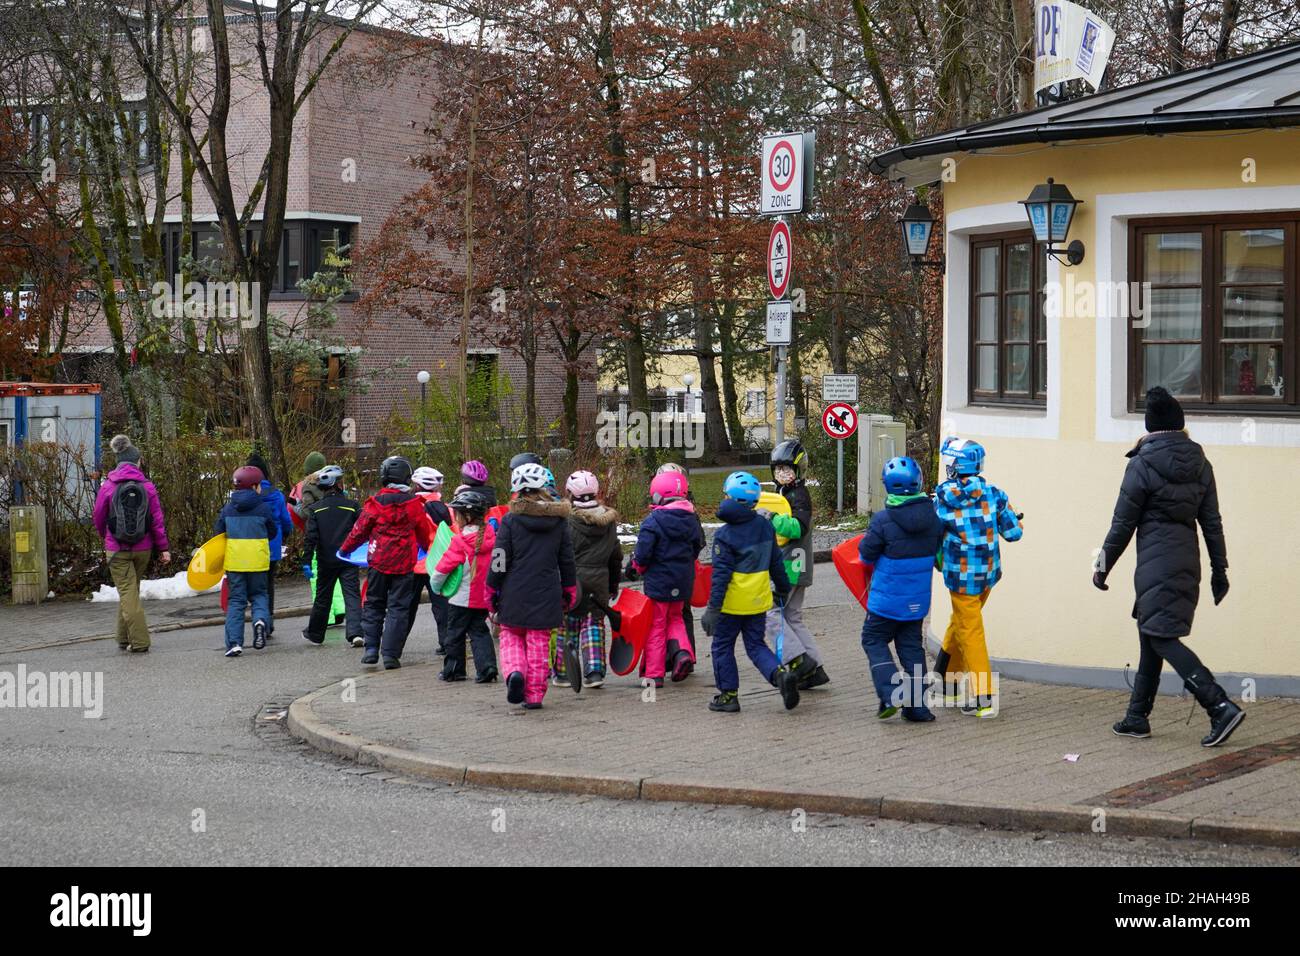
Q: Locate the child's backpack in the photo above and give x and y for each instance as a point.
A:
(128, 513)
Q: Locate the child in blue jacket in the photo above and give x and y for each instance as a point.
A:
(747, 565)
(274, 499)
(901, 542)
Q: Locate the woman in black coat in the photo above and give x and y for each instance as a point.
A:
(1168, 489)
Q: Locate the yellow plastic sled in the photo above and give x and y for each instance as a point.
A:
(208, 564)
(774, 502)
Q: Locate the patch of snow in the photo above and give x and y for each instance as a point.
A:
(156, 589)
(627, 539)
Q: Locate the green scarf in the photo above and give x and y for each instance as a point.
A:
(893, 501)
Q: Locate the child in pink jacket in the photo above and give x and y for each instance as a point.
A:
(467, 609)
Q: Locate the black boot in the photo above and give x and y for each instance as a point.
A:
(1135, 723)
(1224, 714)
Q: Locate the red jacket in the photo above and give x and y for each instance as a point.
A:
(396, 526)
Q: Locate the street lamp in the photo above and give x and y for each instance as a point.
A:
(1050, 209)
(687, 380)
(807, 385)
(423, 378)
(918, 229)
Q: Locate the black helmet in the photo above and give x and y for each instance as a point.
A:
(525, 458)
(471, 499)
(789, 452)
(395, 471)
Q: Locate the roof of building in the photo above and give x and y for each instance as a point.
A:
(13, 389)
(1255, 91)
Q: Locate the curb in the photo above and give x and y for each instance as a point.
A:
(303, 723)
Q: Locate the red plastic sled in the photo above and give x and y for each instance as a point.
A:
(703, 585)
(225, 595)
(629, 640)
(855, 575)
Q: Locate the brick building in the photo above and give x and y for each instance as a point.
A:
(350, 167)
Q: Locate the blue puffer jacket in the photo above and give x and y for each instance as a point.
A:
(667, 545)
(275, 501)
(902, 542)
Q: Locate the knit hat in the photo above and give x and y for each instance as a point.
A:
(123, 450)
(314, 463)
(1164, 414)
(258, 462)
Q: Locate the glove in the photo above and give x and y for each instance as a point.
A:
(1099, 580)
(629, 570)
(306, 571)
(1219, 584)
(570, 597)
(710, 620)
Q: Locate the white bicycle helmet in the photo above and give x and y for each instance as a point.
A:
(529, 477)
(427, 479)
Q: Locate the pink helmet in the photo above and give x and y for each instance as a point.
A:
(583, 487)
(668, 486)
(474, 471)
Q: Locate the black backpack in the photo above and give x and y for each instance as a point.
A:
(128, 513)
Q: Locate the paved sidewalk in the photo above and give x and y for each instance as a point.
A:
(27, 627)
(831, 754)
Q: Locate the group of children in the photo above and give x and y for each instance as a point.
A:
(546, 568)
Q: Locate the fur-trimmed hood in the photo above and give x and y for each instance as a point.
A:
(600, 516)
(540, 507)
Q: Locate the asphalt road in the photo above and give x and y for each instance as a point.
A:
(187, 765)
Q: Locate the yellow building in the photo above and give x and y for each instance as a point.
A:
(676, 385)
(1189, 190)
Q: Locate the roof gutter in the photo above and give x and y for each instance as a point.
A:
(1146, 125)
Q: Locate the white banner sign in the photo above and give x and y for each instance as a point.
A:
(1071, 43)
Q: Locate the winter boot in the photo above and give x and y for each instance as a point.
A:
(918, 715)
(727, 703)
(1143, 698)
(515, 688)
(816, 679)
(1224, 714)
(785, 681)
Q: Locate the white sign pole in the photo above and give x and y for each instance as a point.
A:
(839, 476)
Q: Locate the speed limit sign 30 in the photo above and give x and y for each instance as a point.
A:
(840, 420)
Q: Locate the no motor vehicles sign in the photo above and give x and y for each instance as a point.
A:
(780, 259)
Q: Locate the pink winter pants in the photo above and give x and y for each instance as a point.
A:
(666, 625)
(526, 651)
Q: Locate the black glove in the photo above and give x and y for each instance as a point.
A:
(710, 620)
(629, 570)
(1219, 584)
(1099, 580)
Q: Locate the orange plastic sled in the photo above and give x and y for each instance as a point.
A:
(855, 575)
(629, 640)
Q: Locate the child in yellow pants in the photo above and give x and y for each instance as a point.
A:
(974, 513)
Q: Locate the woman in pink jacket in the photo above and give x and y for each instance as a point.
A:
(467, 609)
(129, 517)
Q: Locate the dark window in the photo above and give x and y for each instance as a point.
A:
(1215, 320)
(1008, 333)
(481, 377)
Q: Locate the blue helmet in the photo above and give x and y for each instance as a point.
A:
(901, 475)
(962, 456)
(743, 487)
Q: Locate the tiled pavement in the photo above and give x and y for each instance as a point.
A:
(833, 744)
